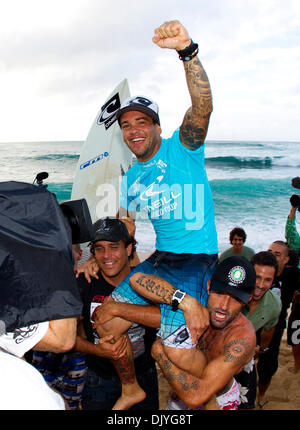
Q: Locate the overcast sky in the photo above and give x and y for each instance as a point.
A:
(60, 59)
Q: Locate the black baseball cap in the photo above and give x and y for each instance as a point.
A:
(235, 276)
(110, 229)
(141, 104)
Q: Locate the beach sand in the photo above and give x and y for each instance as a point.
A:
(283, 393)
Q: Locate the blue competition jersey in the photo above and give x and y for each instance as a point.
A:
(172, 190)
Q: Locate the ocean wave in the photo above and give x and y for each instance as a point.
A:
(292, 161)
(249, 191)
(62, 190)
(242, 162)
(252, 162)
(54, 157)
(231, 143)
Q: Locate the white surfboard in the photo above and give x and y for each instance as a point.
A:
(103, 160)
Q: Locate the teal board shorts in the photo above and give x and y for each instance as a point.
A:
(187, 272)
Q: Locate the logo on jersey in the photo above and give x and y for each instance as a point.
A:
(148, 192)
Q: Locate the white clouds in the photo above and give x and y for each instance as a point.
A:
(255, 76)
(60, 59)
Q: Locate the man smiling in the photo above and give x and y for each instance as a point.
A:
(263, 311)
(237, 238)
(141, 133)
(286, 282)
(113, 248)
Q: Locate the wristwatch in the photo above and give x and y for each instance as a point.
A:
(177, 298)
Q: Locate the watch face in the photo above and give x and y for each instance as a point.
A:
(178, 295)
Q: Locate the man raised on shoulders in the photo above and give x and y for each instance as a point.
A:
(168, 183)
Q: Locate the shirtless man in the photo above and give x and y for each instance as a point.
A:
(225, 347)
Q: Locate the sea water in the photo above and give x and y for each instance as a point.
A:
(250, 182)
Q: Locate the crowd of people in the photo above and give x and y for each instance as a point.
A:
(212, 322)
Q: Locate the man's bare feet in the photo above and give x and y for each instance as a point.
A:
(131, 395)
(262, 401)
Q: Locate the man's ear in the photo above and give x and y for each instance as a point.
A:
(158, 127)
(208, 285)
(287, 259)
(129, 249)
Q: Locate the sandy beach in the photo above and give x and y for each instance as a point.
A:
(283, 393)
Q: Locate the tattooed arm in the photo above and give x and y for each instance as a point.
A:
(196, 120)
(158, 290)
(193, 130)
(217, 375)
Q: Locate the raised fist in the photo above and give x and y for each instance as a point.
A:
(171, 35)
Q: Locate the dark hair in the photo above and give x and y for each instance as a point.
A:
(130, 241)
(239, 232)
(284, 245)
(265, 258)
(133, 242)
(293, 258)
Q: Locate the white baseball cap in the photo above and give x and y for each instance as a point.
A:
(141, 104)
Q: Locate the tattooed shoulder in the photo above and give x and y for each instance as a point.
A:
(238, 350)
(191, 135)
